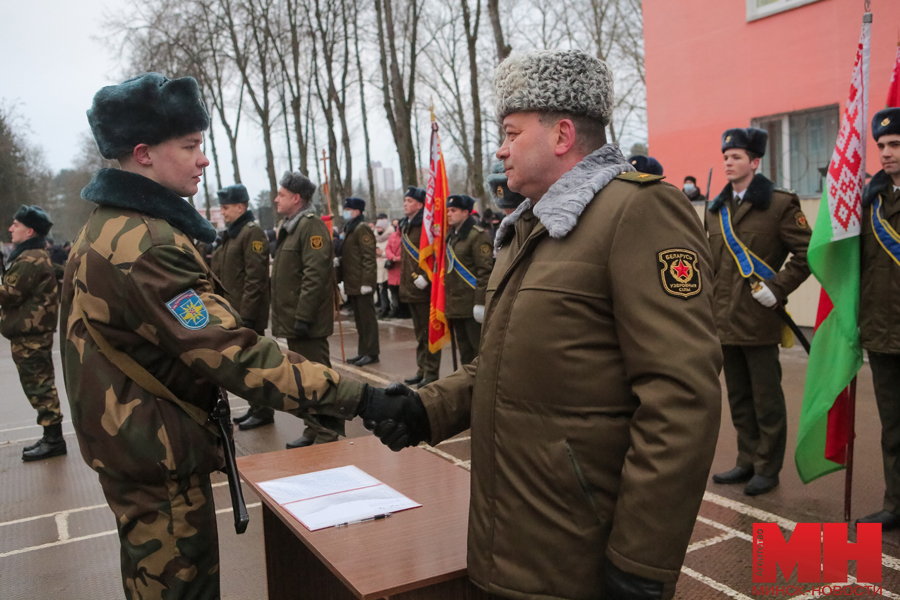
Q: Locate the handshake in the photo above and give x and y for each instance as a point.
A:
(396, 415)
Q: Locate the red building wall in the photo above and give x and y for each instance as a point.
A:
(708, 69)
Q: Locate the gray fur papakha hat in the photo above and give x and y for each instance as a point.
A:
(148, 109)
(298, 183)
(567, 81)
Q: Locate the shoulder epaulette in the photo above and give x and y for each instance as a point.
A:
(478, 228)
(310, 215)
(785, 190)
(636, 177)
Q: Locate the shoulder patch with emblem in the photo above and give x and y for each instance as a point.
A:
(485, 249)
(637, 177)
(258, 246)
(315, 242)
(802, 223)
(12, 279)
(189, 309)
(680, 273)
(366, 239)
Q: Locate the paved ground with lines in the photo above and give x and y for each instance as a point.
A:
(57, 537)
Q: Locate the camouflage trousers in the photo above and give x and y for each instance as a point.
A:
(168, 537)
(33, 355)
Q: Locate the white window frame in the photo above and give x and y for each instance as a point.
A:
(754, 12)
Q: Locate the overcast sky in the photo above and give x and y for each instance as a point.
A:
(53, 62)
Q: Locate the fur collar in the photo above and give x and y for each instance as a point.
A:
(759, 194)
(234, 229)
(35, 243)
(123, 189)
(566, 199)
(290, 225)
(879, 184)
(407, 222)
(464, 229)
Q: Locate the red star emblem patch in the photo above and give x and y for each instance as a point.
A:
(680, 273)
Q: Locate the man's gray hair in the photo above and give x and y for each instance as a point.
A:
(564, 81)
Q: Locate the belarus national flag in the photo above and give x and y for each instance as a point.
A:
(835, 358)
(433, 243)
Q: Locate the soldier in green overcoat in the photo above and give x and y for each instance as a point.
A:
(358, 270)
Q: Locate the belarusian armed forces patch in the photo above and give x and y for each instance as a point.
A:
(258, 246)
(680, 272)
(189, 309)
(315, 242)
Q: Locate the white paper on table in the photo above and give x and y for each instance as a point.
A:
(335, 496)
(320, 483)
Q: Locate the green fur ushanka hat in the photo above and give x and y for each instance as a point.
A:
(461, 201)
(886, 122)
(233, 194)
(35, 218)
(148, 109)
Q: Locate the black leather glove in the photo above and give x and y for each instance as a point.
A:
(301, 330)
(627, 586)
(248, 323)
(396, 415)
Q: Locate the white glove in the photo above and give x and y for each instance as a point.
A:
(365, 290)
(478, 313)
(341, 290)
(762, 294)
(337, 261)
(421, 282)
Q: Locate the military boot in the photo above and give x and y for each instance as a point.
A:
(52, 444)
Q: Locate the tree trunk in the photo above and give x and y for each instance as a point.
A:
(476, 169)
(503, 49)
(362, 103)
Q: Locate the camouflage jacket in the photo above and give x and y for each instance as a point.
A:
(135, 275)
(241, 263)
(29, 297)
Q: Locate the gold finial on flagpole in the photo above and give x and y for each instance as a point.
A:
(432, 110)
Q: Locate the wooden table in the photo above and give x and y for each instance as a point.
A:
(415, 554)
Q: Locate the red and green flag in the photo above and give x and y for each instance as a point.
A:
(893, 99)
(826, 425)
(433, 242)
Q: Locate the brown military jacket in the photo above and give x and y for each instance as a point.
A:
(358, 265)
(770, 223)
(595, 399)
(472, 247)
(879, 278)
(241, 262)
(136, 278)
(410, 232)
(303, 276)
(29, 298)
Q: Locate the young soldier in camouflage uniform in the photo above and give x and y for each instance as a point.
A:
(303, 290)
(150, 338)
(472, 254)
(359, 272)
(28, 306)
(241, 262)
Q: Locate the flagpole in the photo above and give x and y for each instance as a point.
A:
(337, 291)
(851, 402)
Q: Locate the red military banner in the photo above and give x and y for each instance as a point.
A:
(432, 244)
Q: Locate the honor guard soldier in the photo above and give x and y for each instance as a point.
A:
(496, 183)
(470, 258)
(149, 338)
(646, 164)
(303, 289)
(241, 262)
(359, 268)
(29, 303)
(753, 226)
(415, 287)
(879, 303)
(594, 402)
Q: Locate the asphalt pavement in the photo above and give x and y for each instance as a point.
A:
(57, 536)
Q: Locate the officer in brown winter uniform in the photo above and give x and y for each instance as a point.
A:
(358, 269)
(753, 226)
(879, 303)
(470, 258)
